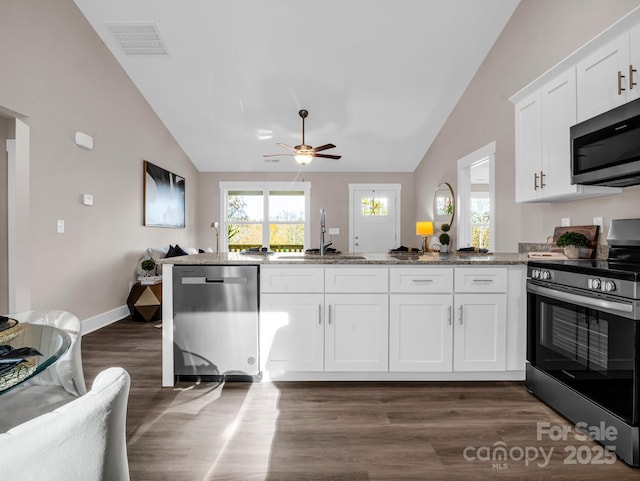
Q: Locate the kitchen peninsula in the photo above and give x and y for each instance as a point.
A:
(378, 316)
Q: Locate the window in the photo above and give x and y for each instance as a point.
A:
(480, 219)
(273, 215)
(375, 206)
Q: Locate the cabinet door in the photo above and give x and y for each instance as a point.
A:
(292, 332)
(420, 332)
(528, 147)
(558, 115)
(597, 82)
(357, 332)
(479, 338)
(634, 63)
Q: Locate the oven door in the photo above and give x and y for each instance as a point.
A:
(587, 343)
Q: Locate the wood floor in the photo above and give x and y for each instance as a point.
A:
(342, 431)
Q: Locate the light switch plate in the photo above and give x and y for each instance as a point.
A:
(60, 226)
(566, 221)
(334, 230)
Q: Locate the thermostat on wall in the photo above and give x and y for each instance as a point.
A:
(87, 199)
(84, 140)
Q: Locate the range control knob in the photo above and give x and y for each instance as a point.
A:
(545, 275)
(609, 286)
(595, 283)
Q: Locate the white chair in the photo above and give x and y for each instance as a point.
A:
(84, 440)
(57, 385)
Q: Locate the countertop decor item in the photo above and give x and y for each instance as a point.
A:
(444, 238)
(591, 232)
(424, 229)
(572, 242)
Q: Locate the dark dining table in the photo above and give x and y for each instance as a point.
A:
(50, 342)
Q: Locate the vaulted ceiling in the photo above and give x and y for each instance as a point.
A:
(228, 77)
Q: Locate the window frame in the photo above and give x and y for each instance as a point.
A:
(265, 188)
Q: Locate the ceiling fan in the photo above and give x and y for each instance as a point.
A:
(304, 153)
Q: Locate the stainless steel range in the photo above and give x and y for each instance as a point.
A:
(583, 339)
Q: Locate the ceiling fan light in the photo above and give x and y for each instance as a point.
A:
(303, 159)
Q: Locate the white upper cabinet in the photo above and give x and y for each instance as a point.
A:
(543, 149)
(603, 78)
(634, 63)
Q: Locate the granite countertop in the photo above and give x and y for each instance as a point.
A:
(348, 259)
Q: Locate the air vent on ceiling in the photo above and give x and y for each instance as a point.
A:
(138, 38)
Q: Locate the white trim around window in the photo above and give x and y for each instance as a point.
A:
(265, 188)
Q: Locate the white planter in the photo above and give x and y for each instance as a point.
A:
(572, 252)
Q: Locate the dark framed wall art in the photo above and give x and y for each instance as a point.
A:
(164, 197)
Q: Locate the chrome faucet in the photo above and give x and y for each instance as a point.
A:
(323, 245)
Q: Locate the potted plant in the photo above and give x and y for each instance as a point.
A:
(148, 265)
(572, 242)
(444, 238)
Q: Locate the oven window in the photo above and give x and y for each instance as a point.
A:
(590, 351)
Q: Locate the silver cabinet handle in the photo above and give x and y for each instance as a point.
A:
(620, 88)
(329, 307)
(631, 82)
(460, 309)
(450, 309)
(482, 281)
(535, 181)
(422, 281)
(319, 313)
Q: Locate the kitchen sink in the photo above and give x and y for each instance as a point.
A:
(285, 257)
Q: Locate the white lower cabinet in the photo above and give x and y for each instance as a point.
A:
(413, 321)
(420, 332)
(480, 332)
(292, 332)
(356, 332)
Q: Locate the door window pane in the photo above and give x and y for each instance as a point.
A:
(245, 206)
(480, 217)
(244, 236)
(286, 206)
(375, 206)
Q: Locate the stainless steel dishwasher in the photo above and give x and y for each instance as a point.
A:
(215, 322)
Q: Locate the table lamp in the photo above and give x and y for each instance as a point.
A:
(425, 229)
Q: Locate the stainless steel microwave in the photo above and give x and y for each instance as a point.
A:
(605, 150)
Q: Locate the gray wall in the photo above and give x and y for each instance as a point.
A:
(328, 191)
(4, 134)
(540, 34)
(57, 73)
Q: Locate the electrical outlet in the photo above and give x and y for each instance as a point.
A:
(599, 221)
(60, 226)
(334, 230)
(566, 221)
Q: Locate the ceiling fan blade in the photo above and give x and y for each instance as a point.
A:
(327, 156)
(324, 147)
(276, 155)
(285, 146)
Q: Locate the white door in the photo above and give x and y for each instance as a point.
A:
(374, 217)
(291, 332)
(420, 332)
(601, 81)
(479, 339)
(357, 332)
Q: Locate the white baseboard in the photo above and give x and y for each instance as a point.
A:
(101, 320)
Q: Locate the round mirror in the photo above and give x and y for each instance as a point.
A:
(444, 208)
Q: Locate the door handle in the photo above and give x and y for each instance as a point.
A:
(620, 88)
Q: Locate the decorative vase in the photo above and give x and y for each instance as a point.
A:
(444, 249)
(572, 252)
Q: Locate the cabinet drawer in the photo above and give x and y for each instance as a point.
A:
(480, 279)
(292, 279)
(356, 279)
(421, 279)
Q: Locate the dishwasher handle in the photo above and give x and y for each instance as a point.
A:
(214, 280)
